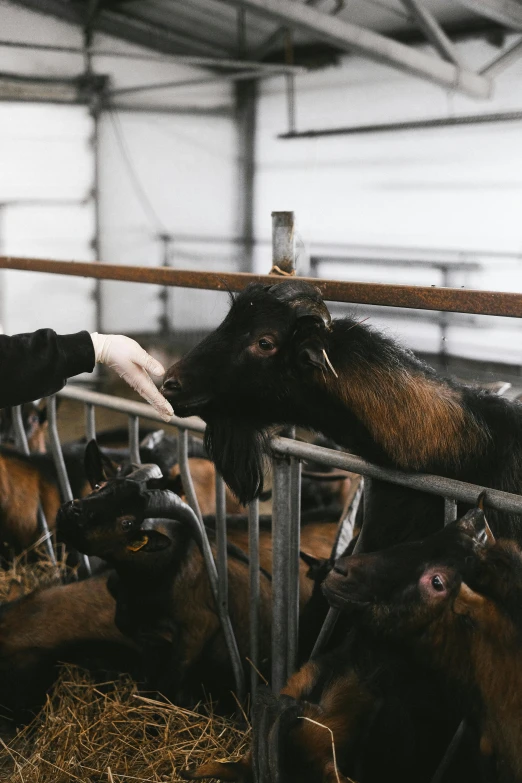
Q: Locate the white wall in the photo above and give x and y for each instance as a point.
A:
(159, 172)
(440, 188)
(45, 175)
(186, 166)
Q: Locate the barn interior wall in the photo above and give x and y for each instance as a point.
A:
(159, 172)
(440, 188)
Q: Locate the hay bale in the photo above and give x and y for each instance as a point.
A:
(93, 732)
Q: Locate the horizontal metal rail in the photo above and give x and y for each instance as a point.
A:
(416, 297)
(435, 485)
(285, 447)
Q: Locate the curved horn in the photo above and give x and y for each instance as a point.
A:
(162, 503)
(304, 298)
(159, 525)
(145, 472)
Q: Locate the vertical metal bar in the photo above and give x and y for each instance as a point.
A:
(23, 446)
(333, 614)
(450, 511)
(61, 470)
(293, 564)
(221, 543)
(184, 470)
(283, 243)
(253, 554)
(95, 111)
(90, 422)
(280, 574)
(134, 439)
(226, 624)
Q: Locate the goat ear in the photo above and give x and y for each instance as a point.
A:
(98, 467)
(469, 603)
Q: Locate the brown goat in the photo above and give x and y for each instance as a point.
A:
(72, 622)
(456, 601)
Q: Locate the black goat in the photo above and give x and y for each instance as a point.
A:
(391, 715)
(459, 609)
(278, 358)
(164, 599)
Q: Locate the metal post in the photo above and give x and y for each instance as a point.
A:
(134, 439)
(95, 111)
(23, 446)
(450, 511)
(61, 470)
(90, 422)
(164, 294)
(293, 564)
(221, 543)
(253, 553)
(283, 243)
(280, 572)
(184, 470)
(245, 114)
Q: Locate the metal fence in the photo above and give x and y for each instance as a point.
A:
(287, 453)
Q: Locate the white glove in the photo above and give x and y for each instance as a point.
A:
(133, 364)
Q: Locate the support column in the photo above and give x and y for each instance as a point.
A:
(246, 106)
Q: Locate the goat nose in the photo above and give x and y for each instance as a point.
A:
(171, 385)
(341, 569)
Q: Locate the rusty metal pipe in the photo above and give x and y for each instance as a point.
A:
(416, 297)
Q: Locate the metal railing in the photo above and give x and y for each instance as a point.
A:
(286, 482)
(287, 453)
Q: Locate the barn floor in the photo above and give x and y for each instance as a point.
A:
(93, 732)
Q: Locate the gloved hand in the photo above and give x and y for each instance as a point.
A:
(133, 364)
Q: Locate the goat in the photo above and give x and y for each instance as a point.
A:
(34, 418)
(278, 358)
(164, 595)
(62, 623)
(459, 611)
(391, 715)
(26, 481)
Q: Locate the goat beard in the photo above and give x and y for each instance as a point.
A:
(238, 449)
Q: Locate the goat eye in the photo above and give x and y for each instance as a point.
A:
(438, 584)
(265, 344)
(126, 524)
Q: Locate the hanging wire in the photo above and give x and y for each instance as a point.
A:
(139, 190)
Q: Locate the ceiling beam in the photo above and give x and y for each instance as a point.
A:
(507, 12)
(504, 59)
(433, 31)
(125, 28)
(355, 39)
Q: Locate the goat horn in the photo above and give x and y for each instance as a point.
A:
(305, 299)
(144, 473)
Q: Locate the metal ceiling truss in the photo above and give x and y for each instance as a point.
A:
(113, 21)
(507, 12)
(359, 40)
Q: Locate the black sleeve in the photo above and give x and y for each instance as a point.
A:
(38, 364)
